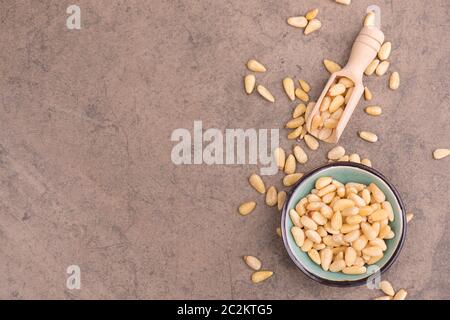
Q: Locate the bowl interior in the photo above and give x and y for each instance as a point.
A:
(343, 173)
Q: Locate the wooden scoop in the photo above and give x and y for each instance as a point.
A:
(364, 50)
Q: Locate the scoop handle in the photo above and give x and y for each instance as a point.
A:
(364, 50)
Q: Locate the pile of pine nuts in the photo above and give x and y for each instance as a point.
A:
(343, 227)
(332, 108)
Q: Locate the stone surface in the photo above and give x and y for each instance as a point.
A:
(86, 117)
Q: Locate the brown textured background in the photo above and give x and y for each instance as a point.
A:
(86, 117)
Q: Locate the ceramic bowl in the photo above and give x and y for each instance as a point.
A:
(344, 172)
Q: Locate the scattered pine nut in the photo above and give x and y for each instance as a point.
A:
(304, 85)
(302, 95)
(385, 51)
(346, 2)
(311, 142)
(394, 80)
(336, 153)
(253, 262)
(257, 183)
(249, 83)
(400, 295)
(382, 68)
(289, 88)
(281, 199)
(294, 134)
(368, 136)
(354, 157)
(384, 298)
(409, 217)
(372, 67)
(291, 179)
(290, 165)
(441, 153)
(259, 276)
(295, 123)
(311, 14)
(247, 207)
(265, 93)
(386, 287)
(271, 196)
(367, 94)
(331, 66)
(280, 157)
(299, 110)
(255, 66)
(300, 155)
(298, 22)
(312, 26)
(279, 232)
(366, 162)
(373, 110)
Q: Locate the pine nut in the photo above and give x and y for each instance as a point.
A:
(314, 255)
(249, 83)
(354, 270)
(366, 162)
(255, 66)
(331, 66)
(367, 94)
(265, 93)
(373, 110)
(289, 88)
(307, 245)
(368, 136)
(409, 217)
(382, 68)
(311, 14)
(346, 2)
(302, 95)
(294, 134)
(326, 101)
(441, 153)
(304, 85)
(337, 266)
(260, 276)
(372, 67)
(253, 262)
(394, 80)
(311, 142)
(400, 295)
(384, 298)
(247, 207)
(271, 196)
(290, 165)
(300, 155)
(385, 51)
(257, 183)
(326, 256)
(336, 153)
(295, 218)
(280, 157)
(298, 22)
(336, 89)
(291, 179)
(369, 20)
(299, 236)
(299, 110)
(281, 199)
(354, 157)
(312, 26)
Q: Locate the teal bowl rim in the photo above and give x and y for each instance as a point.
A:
(346, 283)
